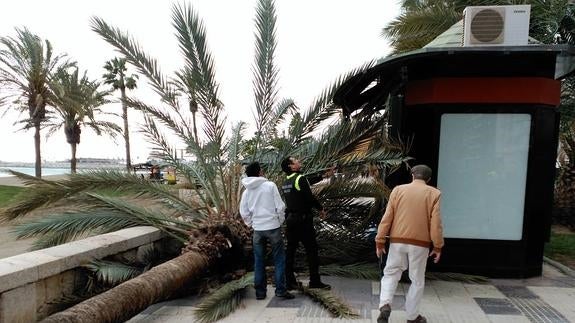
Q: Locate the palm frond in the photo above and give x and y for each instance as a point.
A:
(332, 303)
(223, 301)
(353, 144)
(265, 72)
(362, 270)
(322, 108)
(111, 215)
(343, 196)
(148, 66)
(457, 277)
(112, 273)
(41, 193)
(206, 171)
(233, 171)
(180, 126)
(415, 28)
(191, 34)
(340, 247)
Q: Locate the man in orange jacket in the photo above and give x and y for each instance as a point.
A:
(413, 222)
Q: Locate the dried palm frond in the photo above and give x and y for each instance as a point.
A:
(457, 277)
(331, 302)
(223, 301)
(360, 270)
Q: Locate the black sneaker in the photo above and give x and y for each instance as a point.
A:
(286, 295)
(384, 313)
(293, 286)
(319, 285)
(418, 319)
(260, 296)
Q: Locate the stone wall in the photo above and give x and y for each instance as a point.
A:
(31, 283)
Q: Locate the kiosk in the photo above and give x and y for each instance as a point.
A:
(485, 120)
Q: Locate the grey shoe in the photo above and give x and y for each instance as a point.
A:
(384, 313)
(418, 319)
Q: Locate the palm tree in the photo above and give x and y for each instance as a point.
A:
(26, 67)
(116, 76)
(77, 100)
(208, 220)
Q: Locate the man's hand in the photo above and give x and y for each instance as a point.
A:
(380, 251)
(322, 214)
(330, 172)
(436, 255)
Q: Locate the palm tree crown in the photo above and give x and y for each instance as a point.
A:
(27, 64)
(77, 101)
(116, 76)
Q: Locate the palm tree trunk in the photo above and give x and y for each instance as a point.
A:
(126, 129)
(195, 128)
(564, 197)
(38, 162)
(130, 298)
(73, 160)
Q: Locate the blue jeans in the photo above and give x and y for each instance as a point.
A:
(277, 243)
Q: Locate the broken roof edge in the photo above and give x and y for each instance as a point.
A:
(564, 65)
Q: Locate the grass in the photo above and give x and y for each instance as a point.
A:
(562, 248)
(7, 193)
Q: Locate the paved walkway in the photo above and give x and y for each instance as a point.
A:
(549, 298)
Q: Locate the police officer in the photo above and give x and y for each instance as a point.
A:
(299, 222)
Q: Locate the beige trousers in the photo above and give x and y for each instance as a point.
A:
(400, 257)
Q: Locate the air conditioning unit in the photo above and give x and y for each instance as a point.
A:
(496, 25)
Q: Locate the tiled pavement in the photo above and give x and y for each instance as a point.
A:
(549, 298)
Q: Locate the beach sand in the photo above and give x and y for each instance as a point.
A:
(9, 246)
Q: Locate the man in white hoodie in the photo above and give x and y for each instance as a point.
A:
(262, 208)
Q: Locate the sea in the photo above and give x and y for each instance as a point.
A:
(32, 171)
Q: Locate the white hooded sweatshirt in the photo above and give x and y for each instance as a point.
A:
(261, 206)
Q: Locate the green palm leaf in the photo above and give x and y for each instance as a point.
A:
(191, 34)
(103, 215)
(363, 270)
(42, 193)
(148, 66)
(112, 273)
(265, 72)
(224, 300)
(322, 108)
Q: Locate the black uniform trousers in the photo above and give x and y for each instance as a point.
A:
(299, 228)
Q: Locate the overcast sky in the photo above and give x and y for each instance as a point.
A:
(317, 41)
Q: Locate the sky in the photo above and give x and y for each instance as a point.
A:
(317, 40)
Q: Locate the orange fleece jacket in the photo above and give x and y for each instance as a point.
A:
(412, 216)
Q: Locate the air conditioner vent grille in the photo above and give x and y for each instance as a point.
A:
(487, 26)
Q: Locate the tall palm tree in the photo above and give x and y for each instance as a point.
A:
(208, 220)
(26, 67)
(77, 102)
(117, 77)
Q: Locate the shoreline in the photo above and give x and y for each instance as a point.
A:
(62, 165)
(15, 181)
